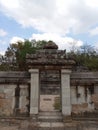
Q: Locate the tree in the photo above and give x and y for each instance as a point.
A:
(16, 53)
(21, 52)
(86, 57)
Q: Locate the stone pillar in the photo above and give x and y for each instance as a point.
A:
(13, 93)
(95, 89)
(34, 93)
(89, 100)
(23, 101)
(65, 89)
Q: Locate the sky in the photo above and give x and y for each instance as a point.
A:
(66, 22)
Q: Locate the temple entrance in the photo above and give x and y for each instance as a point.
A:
(50, 90)
(50, 72)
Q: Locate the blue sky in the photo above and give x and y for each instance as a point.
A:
(66, 22)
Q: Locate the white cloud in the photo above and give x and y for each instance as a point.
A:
(15, 39)
(91, 3)
(62, 42)
(2, 33)
(2, 52)
(96, 46)
(94, 31)
(2, 46)
(53, 16)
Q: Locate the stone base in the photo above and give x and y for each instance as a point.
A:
(34, 117)
(67, 119)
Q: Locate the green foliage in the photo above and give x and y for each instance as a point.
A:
(85, 56)
(57, 103)
(22, 50)
(16, 54)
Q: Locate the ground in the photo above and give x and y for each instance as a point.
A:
(30, 125)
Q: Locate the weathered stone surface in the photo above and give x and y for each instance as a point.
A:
(47, 102)
(24, 90)
(6, 99)
(11, 124)
(9, 93)
(50, 45)
(6, 107)
(50, 82)
(78, 89)
(65, 86)
(78, 108)
(94, 99)
(34, 99)
(84, 78)
(49, 56)
(23, 104)
(13, 77)
(2, 95)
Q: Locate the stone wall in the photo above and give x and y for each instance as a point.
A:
(95, 97)
(7, 99)
(14, 93)
(9, 105)
(81, 101)
(83, 92)
(50, 82)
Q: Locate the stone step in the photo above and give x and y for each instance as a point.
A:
(50, 117)
(51, 125)
(85, 119)
(53, 113)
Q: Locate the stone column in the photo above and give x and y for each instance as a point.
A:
(89, 100)
(13, 93)
(65, 89)
(23, 101)
(34, 93)
(10, 96)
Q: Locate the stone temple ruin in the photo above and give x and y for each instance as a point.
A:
(49, 85)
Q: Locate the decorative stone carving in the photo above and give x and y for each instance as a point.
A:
(49, 55)
(50, 45)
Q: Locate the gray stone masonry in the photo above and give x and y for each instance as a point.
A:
(34, 99)
(65, 88)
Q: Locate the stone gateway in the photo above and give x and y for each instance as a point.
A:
(51, 84)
